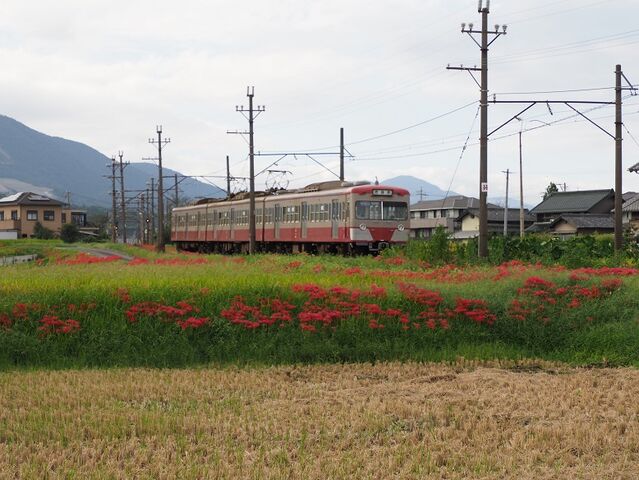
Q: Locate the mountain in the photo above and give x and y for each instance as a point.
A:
(33, 161)
(417, 186)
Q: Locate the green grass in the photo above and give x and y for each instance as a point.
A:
(602, 331)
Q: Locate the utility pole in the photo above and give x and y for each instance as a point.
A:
(146, 217)
(141, 218)
(159, 246)
(521, 187)
(507, 172)
(114, 211)
(252, 115)
(341, 154)
(122, 196)
(483, 139)
(228, 178)
(177, 197)
(618, 161)
(152, 231)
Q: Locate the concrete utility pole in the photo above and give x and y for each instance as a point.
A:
(483, 44)
(159, 246)
(114, 211)
(228, 178)
(122, 196)
(252, 115)
(618, 161)
(507, 172)
(341, 154)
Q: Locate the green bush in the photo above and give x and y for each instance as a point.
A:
(70, 233)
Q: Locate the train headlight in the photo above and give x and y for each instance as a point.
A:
(362, 227)
(400, 227)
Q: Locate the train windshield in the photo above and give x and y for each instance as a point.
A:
(377, 210)
(395, 211)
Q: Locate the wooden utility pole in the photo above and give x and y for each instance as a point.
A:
(507, 172)
(252, 115)
(152, 234)
(483, 102)
(341, 154)
(114, 210)
(159, 246)
(618, 161)
(521, 188)
(122, 197)
(228, 178)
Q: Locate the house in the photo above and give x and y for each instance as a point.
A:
(20, 212)
(470, 222)
(426, 216)
(630, 212)
(568, 225)
(577, 202)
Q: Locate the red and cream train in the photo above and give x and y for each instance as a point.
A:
(338, 217)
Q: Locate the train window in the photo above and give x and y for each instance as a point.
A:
(367, 210)
(395, 210)
(323, 212)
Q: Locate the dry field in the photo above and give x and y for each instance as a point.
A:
(337, 421)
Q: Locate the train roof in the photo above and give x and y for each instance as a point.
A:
(326, 188)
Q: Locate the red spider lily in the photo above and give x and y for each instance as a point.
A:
(85, 259)
(192, 322)
(318, 268)
(293, 265)
(422, 296)
(52, 324)
(476, 310)
(138, 261)
(5, 321)
(123, 295)
(353, 271)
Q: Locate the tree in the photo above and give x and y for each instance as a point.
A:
(42, 232)
(69, 233)
(552, 188)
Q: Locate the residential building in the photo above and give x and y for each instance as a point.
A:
(427, 215)
(20, 212)
(568, 225)
(470, 222)
(577, 202)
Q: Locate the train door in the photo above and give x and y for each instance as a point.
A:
(304, 219)
(231, 222)
(277, 217)
(335, 219)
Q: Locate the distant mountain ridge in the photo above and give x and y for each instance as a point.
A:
(419, 189)
(33, 161)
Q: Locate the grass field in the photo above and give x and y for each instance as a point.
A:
(457, 421)
(72, 310)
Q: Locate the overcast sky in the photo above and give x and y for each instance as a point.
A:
(105, 73)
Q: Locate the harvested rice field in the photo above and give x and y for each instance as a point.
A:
(396, 420)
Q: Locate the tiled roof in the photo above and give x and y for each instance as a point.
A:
(497, 215)
(457, 201)
(572, 202)
(592, 221)
(29, 198)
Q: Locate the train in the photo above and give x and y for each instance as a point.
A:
(326, 217)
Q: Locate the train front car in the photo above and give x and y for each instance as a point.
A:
(379, 217)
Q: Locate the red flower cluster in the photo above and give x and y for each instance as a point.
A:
(84, 259)
(475, 310)
(50, 324)
(159, 310)
(540, 298)
(269, 312)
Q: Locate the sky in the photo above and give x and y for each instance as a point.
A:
(106, 73)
